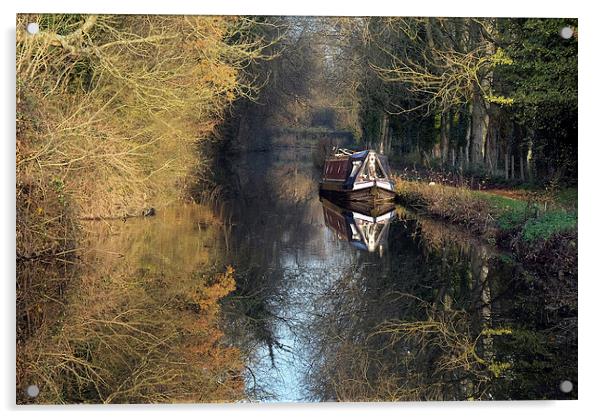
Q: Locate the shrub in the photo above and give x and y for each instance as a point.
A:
(484, 212)
(458, 205)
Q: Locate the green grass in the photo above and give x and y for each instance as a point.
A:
(548, 224)
(508, 212)
(535, 223)
(531, 221)
(568, 198)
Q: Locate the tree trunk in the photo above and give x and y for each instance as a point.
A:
(444, 137)
(388, 141)
(466, 159)
(384, 133)
(506, 164)
(479, 128)
(491, 148)
(529, 158)
(522, 171)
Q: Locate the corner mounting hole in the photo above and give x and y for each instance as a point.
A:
(566, 386)
(33, 28)
(566, 32)
(33, 391)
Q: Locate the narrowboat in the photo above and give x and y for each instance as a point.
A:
(357, 176)
(365, 228)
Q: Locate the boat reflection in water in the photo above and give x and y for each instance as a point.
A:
(363, 224)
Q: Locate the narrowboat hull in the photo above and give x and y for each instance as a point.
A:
(375, 192)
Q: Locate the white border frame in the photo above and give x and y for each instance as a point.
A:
(590, 150)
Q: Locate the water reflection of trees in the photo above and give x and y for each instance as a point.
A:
(276, 221)
(139, 321)
(439, 316)
(444, 318)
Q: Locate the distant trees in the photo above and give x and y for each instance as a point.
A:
(323, 117)
(290, 93)
(542, 81)
(491, 95)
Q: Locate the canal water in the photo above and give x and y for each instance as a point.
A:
(423, 312)
(317, 302)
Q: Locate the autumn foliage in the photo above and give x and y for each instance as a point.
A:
(140, 319)
(112, 112)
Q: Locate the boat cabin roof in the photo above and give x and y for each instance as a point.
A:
(355, 155)
(360, 154)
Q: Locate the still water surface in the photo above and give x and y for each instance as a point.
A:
(327, 303)
(431, 313)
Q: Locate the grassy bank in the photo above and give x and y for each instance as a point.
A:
(540, 230)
